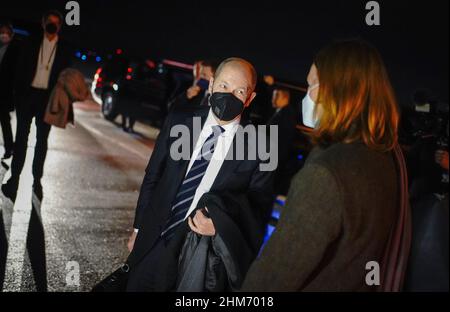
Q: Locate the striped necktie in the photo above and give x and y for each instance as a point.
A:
(186, 191)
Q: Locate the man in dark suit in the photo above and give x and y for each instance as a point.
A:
(171, 190)
(40, 62)
(285, 117)
(8, 61)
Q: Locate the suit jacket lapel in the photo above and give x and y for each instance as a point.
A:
(231, 162)
(189, 122)
(34, 53)
(58, 55)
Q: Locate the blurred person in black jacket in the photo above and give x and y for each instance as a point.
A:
(8, 60)
(40, 61)
(285, 117)
(425, 134)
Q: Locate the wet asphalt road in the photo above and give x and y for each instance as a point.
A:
(91, 183)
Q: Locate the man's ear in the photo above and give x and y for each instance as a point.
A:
(210, 87)
(250, 99)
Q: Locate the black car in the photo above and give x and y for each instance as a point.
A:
(140, 90)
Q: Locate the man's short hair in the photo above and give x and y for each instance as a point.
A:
(53, 13)
(238, 60)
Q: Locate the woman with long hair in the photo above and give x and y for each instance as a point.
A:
(344, 203)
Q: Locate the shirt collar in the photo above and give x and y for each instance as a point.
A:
(230, 128)
(51, 42)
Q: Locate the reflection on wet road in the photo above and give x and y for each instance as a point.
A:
(91, 182)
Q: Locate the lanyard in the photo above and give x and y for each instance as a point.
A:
(51, 55)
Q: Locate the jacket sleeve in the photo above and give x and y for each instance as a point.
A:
(251, 208)
(179, 100)
(8, 72)
(20, 70)
(246, 213)
(68, 52)
(260, 195)
(311, 220)
(153, 172)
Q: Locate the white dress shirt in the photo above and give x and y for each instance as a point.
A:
(45, 61)
(220, 152)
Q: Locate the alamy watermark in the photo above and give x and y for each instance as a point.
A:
(373, 16)
(72, 274)
(73, 16)
(251, 143)
(373, 274)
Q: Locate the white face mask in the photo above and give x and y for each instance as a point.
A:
(308, 107)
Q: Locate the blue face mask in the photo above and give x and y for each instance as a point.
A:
(308, 108)
(203, 84)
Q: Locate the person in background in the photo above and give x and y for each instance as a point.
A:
(428, 264)
(40, 61)
(441, 158)
(8, 61)
(285, 117)
(425, 128)
(342, 205)
(128, 122)
(197, 94)
(262, 110)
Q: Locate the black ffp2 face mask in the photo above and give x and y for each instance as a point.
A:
(226, 106)
(51, 28)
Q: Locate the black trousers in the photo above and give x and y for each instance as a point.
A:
(32, 104)
(5, 121)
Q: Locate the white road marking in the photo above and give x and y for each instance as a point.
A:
(19, 223)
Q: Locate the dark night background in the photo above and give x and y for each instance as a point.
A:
(280, 38)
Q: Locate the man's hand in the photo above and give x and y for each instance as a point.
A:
(131, 241)
(441, 158)
(268, 79)
(201, 224)
(193, 92)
